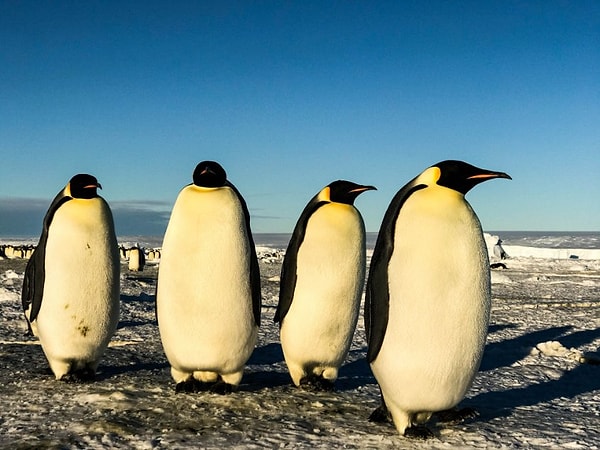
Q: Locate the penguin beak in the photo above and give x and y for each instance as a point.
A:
(488, 175)
(92, 186)
(361, 189)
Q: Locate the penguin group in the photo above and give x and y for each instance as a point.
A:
(426, 312)
(10, 251)
(137, 257)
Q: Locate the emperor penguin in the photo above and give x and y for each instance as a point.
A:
(427, 310)
(322, 279)
(137, 259)
(71, 286)
(499, 250)
(208, 297)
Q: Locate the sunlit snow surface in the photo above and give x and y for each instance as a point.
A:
(538, 385)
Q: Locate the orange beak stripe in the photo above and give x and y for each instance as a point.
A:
(482, 176)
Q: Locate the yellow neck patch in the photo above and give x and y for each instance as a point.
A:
(325, 194)
(429, 176)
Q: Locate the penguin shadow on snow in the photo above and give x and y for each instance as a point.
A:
(106, 372)
(112, 365)
(29, 356)
(132, 323)
(120, 360)
(509, 351)
(141, 279)
(142, 301)
(579, 338)
(352, 374)
(142, 298)
(583, 378)
(493, 328)
(355, 373)
(270, 355)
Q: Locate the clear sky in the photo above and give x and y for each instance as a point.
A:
(289, 96)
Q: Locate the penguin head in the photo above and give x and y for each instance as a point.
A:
(84, 186)
(342, 191)
(461, 176)
(209, 174)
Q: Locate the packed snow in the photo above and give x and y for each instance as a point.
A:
(538, 386)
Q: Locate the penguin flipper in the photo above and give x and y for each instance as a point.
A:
(377, 299)
(33, 281)
(255, 282)
(28, 285)
(377, 295)
(290, 260)
(33, 284)
(254, 268)
(288, 281)
(27, 295)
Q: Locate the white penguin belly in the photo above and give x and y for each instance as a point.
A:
(80, 304)
(204, 298)
(320, 323)
(438, 308)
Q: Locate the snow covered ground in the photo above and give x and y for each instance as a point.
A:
(538, 387)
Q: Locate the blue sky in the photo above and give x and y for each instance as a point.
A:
(289, 96)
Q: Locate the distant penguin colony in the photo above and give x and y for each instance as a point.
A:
(208, 290)
(321, 284)
(16, 251)
(71, 286)
(426, 311)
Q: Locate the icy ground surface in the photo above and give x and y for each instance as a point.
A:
(538, 386)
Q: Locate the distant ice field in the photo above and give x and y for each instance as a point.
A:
(538, 239)
(551, 239)
(537, 244)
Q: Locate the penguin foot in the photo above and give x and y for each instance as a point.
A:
(316, 383)
(455, 416)
(79, 376)
(191, 385)
(222, 388)
(418, 432)
(380, 415)
(185, 386)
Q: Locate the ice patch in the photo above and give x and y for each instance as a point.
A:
(515, 251)
(499, 278)
(85, 399)
(10, 278)
(269, 255)
(9, 274)
(556, 349)
(7, 295)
